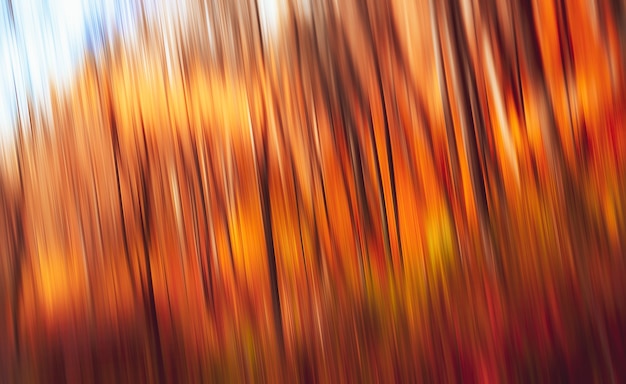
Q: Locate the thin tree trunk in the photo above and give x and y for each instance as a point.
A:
(146, 237)
(19, 245)
(207, 286)
(266, 208)
(116, 159)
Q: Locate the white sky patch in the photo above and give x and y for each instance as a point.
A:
(50, 37)
(270, 12)
(46, 46)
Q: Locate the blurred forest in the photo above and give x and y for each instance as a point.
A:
(375, 191)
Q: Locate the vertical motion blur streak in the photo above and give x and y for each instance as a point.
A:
(312, 190)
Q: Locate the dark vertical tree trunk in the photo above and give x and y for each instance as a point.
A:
(304, 48)
(454, 163)
(146, 237)
(207, 286)
(222, 204)
(17, 217)
(463, 83)
(16, 220)
(266, 207)
(471, 119)
(344, 65)
(377, 53)
(116, 160)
